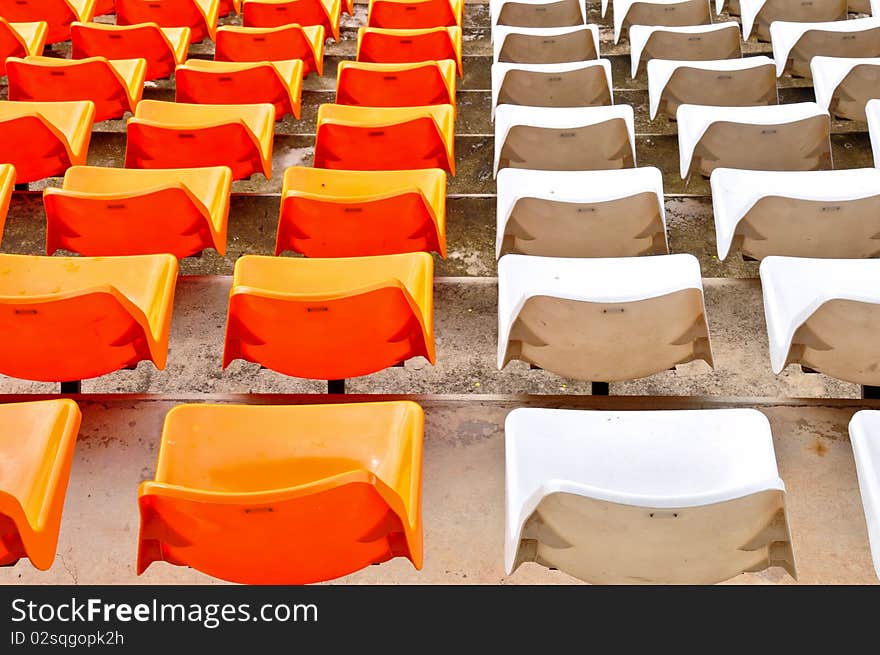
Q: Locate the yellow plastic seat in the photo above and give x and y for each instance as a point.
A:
(396, 85)
(277, 13)
(121, 211)
(329, 213)
(379, 45)
(42, 139)
(278, 83)
(72, 318)
(162, 47)
(177, 135)
(21, 40)
(7, 185)
(329, 319)
(273, 44)
(285, 494)
(415, 14)
(114, 86)
(385, 138)
(57, 14)
(36, 447)
(200, 16)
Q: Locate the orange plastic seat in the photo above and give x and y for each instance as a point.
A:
(177, 135)
(328, 319)
(273, 44)
(57, 14)
(396, 85)
(277, 13)
(72, 318)
(20, 40)
(220, 82)
(36, 447)
(329, 213)
(114, 86)
(385, 138)
(104, 7)
(404, 46)
(7, 185)
(42, 139)
(162, 48)
(285, 494)
(121, 211)
(415, 14)
(200, 16)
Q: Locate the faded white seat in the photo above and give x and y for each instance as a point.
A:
(795, 137)
(669, 497)
(795, 44)
(864, 433)
(872, 115)
(545, 45)
(564, 139)
(844, 84)
(580, 213)
(603, 319)
(833, 214)
(537, 13)
(757, 15)
(576, 84)
(825, 315)
(692, 43)
(722, 83)
(670, 13)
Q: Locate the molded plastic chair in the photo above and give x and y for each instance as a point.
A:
(278, 13)
(57, 14)
(602, 319)
(757, 15)
(668, 13)
(414, 14)
(285, 494)
(42, 139)
(723, 83)
(407, 46)
(20, 40)
(537, 13)
(272, 44)
(564, 139)
(546, 45)
(795, 44)
(802, 214)
(200, 16)
(119, 211)
(581, 213)
(793, 137)
(843, 85)
(72, 318)
(385, 138)
(114, 86)
(7, 185)
(687, 43)
(396, 85)
(669, 497)
(338, 213)
(278, 83)
(329, 319)
(864, 433)
(36, 446)
(176, 135)
(162, 47)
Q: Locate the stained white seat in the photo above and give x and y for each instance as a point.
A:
(844, 84)
(671, 13)
(580, 213)
(721, 83)
(674, 497)
(872, 115)
(825, 315)
(795, 44)
(604, 319)
(576, 84)
(757, 15)
(864, 433)
(794, 137)
(824, 214)
(545, 45)
(537, 13)
(691, 43)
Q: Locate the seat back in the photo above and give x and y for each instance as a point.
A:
(272, 44)
(395, 85)
(165, 13)
(414, 14)
(58, 14)
(146, 41)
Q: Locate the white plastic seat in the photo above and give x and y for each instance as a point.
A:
(844, 84)
(581, 213)
(669, 13)
(795, 137)
(872, 115)
(864, 434)
(603, 319)
(824, 314)
(757, 15)
(795, 44)
(721, 83)
(545, 45)
(832, 214)
(693, 43)
(537, 13)
(669, 497)
(564, 139)
(577, 84)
